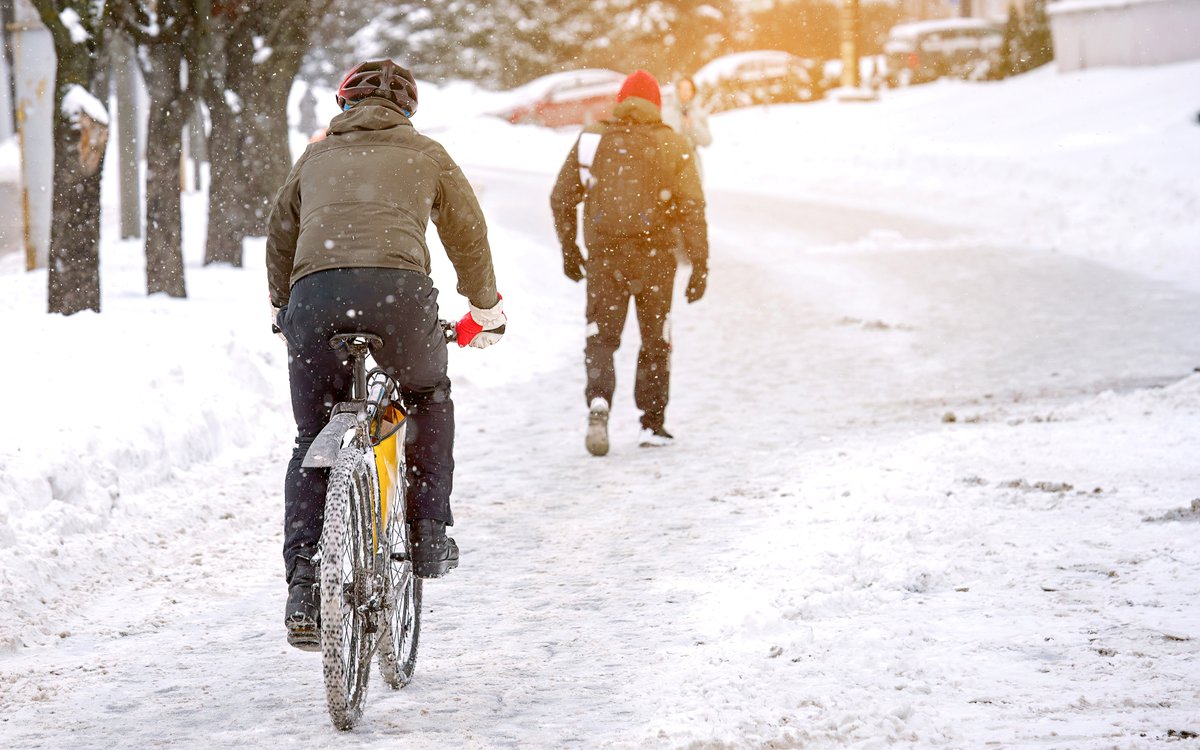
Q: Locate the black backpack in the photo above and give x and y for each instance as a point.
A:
(624, 183)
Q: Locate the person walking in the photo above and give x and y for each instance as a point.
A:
(346, 252)
(688, 117)
(308, 113)
(640, 191)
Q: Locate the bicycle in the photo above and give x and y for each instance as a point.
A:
(370, 599)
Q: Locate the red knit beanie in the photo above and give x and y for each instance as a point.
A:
(641, 84)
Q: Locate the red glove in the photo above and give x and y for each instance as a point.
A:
(481, 328)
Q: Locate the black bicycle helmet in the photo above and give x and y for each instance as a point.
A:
(382, 78)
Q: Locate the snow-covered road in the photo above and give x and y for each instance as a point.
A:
(913, 501)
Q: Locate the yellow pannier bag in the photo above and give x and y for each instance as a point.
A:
(388, 456)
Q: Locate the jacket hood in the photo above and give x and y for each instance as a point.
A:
(637, 109)
(372, 113)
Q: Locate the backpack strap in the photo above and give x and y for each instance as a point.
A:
(588, 143)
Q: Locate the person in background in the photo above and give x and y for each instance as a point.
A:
(688, 117)
(346, 252)
(308, 112)
(641, 194)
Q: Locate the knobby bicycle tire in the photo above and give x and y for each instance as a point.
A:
(348, 584)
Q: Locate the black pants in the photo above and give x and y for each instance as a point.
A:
(401, 308)
(615, 275)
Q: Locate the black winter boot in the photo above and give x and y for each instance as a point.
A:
(303, 613)
(657, 437)
(434, 553)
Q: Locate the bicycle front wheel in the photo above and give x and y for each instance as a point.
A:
(348, 586)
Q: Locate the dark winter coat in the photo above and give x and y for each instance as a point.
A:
(362, 198)
(682, 193)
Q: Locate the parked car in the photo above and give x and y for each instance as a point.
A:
(926, 50)
(576, 97)
(743, 79)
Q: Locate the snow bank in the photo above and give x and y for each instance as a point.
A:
(1099, 164)
(10, 160)
(103, 408)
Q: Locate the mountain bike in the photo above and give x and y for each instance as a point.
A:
(370, 599)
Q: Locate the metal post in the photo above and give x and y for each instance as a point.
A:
(125, 75)
(7, 113)
(34, 64)
(850, 72)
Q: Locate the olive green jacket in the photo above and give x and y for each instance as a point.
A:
(362, 198)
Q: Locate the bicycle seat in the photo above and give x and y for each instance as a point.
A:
(354, 341)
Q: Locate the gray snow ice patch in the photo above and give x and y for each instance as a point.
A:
(1053, 487)
(1191, 513)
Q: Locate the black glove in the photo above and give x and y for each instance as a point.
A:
(572, 262)
(277, 314)
(698, 282)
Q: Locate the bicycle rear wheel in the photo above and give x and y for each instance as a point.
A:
(348, 588)
(400, 625)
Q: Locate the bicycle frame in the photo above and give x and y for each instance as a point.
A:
(359, 412)
(358, 417)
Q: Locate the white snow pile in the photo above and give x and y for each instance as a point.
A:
(101, 408)
(10, 161)
(1099, 163)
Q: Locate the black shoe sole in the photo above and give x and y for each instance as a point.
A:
(596, 438)
(303, 633)
(433, 568)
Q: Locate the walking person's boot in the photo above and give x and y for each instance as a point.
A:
(653, 434)
(655, 438)
(597, 430)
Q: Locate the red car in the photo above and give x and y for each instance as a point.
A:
(576, 97)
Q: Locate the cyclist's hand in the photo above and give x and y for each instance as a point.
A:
(277, 314)
(572, 262)
(698, 282)
(481, 328)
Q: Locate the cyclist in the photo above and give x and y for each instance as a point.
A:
(346, 252)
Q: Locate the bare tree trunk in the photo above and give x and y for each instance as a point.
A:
(229, 216)
(164, 150)
(270, 88)
(74, 283)
(80, 135)
(249, 156)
